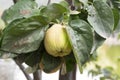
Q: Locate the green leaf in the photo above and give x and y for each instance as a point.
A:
(32, 59)
(54, 11)
(50, 64)
(116, 4)
(70, 62)
(98, 41)
(35, 57)
(81, 38)
(116, 17)
(117, 28)
(83, 14)
(23, 8)
(24, 35)
(64, 3)
(101, 18)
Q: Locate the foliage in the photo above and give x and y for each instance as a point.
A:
(89, 24)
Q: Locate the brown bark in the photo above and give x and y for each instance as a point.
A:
(37, 75)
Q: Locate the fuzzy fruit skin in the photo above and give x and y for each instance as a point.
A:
(56, 41)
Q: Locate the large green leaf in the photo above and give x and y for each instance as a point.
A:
(24, 35)
(54, 11)
(81, 38)
(101, 18)
(23, 8)
(34, 57)
(50, 64)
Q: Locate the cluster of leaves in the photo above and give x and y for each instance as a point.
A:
(88, 25)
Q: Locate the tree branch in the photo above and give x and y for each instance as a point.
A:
(71, 4)
(69, 76)
(37, 75)
(49, 1)
(23, 69)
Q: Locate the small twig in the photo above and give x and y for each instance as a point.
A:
(71, 4)
(23, 69)
(37, 75)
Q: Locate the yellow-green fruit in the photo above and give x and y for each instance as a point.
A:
(56, 41)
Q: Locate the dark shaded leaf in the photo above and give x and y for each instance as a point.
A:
(70, 62)
(116, 4)
(117, 28)
(32, 59)
(81, 38)
(101, 18)
(50, 64)
(116, 17)
(23, 8)
(83, 14)
(24, 35)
